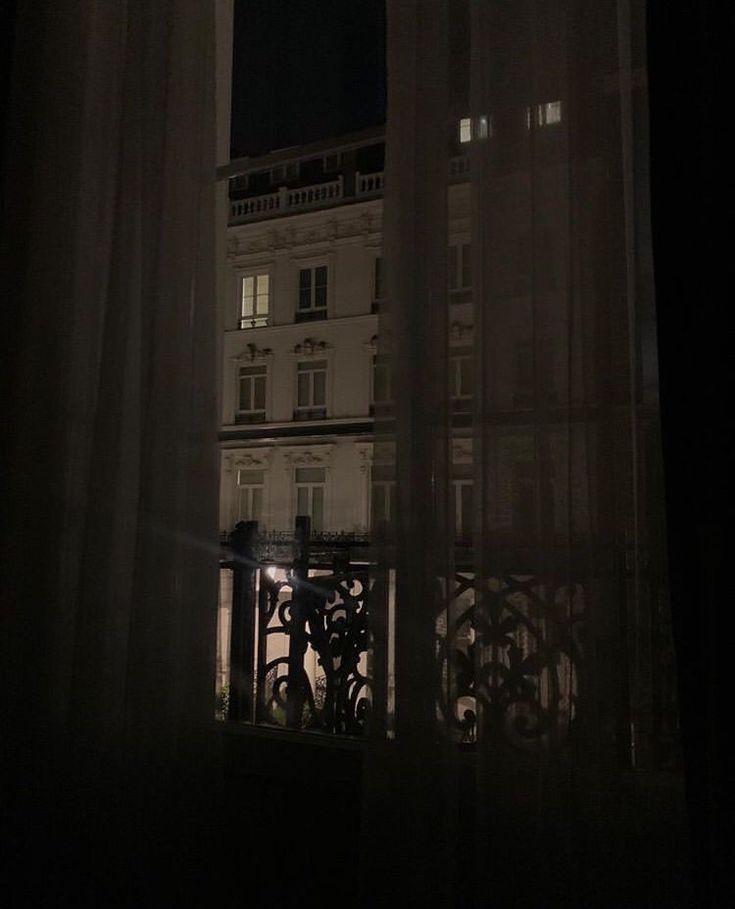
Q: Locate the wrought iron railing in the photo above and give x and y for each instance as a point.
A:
(295, 644)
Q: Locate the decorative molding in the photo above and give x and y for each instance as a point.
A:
(365, 455)
(310, 347)
(246, 459)
(309, 456)
(460, 331)
(461, 451)
(254, 354)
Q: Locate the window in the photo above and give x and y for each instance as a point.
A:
(254, 300)
(459, 272)
(378, 283)
(462, 508)
(546, 114)
(285, 172)
(382, 496)
(311, 390)
(249, 495)
(310, 488)
(312, 294)
(465, 130)
(460, 380)
(251, 394)
(332, 162)
(382, 392)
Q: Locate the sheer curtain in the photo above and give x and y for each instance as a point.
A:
(110, 578)
(531, 756)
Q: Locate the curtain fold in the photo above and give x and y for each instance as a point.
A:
(110, 578)
(540, 767)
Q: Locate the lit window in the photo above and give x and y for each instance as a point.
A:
(460, 380)
(465, 130)
(254, 300)
(311, 390)
(546, 114)
(483, 127)
(459, 268)
(312, 303)
(251, 394)
(249, 495)
(310, 490)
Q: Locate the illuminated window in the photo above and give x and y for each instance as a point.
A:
(465, 130)
(312, 302)
(310, 495)
(546, 114)
(254, 300)
(249, 495)
(251, 394)
(460, 380)
(311, 390)
(483, 128)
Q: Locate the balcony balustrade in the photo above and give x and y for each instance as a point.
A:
(285, 201)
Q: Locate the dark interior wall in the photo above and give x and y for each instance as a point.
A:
(690, 52)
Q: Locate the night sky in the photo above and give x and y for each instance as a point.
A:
(305, 70)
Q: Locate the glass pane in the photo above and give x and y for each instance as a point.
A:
(257, 503)
(250, 477)
(309, 474)
(466, 510)
(317, 507)
(320, 389)
(320, 297)
(465, 378)
(452, 267)
(378, 294)
(305, 279)
(320, 276)
(261, 304)
(305, 298)
(466, 266)
(259, 402)
(303, 393)
(263, 284)
(245, 392)
(248, 295)
(302, 500)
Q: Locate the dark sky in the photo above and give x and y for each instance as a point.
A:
(305, 70)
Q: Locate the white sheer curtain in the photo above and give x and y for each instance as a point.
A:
(532, 757)
(110, 581)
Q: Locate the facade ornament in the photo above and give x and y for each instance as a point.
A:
(246, 459)
(310, 347)
(365, 455)
(312, 456)
(253, 354)
(460, 331)
(461, 451)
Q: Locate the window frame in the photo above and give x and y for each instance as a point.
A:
(250, 488)
(311, 411)
(252, 414)
(312, 313)
(254, 273)
(310, 485)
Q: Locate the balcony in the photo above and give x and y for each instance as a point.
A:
(286, 201)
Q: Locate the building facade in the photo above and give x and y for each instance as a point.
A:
(301, 376)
